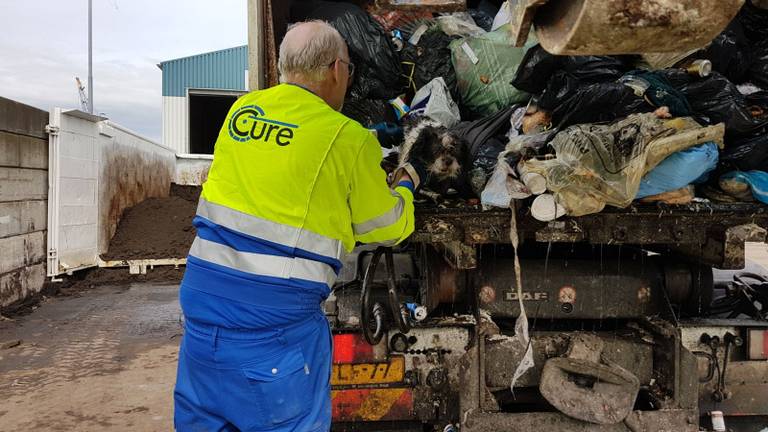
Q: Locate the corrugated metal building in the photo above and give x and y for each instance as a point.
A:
(197, 93)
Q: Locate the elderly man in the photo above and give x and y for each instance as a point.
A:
(294, 184)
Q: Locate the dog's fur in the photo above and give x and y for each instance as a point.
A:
(443, 154)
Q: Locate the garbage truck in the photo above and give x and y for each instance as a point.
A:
(645, 318)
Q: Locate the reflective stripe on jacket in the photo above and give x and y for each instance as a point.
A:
(293, 185)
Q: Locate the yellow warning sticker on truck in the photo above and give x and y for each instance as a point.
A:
(362, 374)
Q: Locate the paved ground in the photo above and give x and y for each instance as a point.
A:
(102, 361)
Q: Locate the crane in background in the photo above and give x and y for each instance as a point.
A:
(83, 96)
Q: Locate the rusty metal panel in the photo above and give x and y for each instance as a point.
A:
(502, 356)
(432, 5)
(665, 420)
(634, 225)
(592, 27)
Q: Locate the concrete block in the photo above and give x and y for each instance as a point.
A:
(22, 250)
(23, 151)
(33, 152)
(22, 119)
(9, 149)
(21, 283)
(19, 184)
(22, 217)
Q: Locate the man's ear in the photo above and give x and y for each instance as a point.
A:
(336, 71)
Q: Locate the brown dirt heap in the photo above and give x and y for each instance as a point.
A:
(156, 228)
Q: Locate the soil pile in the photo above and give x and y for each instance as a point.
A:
(156, 228)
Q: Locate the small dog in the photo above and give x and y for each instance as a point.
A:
(442, 153)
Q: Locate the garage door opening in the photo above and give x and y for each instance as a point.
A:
(206, 115)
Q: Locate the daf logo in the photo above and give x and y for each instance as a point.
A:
(527, 296)
(249, 123)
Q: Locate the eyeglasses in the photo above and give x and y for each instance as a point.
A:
(350, 66)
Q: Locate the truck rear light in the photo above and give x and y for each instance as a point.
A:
(352, 348)
(757, 344)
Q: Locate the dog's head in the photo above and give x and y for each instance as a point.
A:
(440, 151)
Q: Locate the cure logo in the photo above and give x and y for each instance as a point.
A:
(249, 123)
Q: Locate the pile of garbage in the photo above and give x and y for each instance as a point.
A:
(568, 135)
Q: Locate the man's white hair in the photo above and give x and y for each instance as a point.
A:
(309, 58)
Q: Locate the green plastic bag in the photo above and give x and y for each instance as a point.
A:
(485, 66)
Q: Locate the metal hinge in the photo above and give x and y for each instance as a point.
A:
(51, 130)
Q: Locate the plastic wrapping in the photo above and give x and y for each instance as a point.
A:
(757, 181)
(502, 188)
(503, 17)
(484, 67)
(689, 166)
(378, 70)
(459, 24)
(434, 101)
(603, 164)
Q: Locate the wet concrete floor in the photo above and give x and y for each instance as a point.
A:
(104, 361)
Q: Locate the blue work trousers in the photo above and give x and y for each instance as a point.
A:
(275, 379)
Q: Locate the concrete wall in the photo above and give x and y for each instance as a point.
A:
(133, 168)
(192, 169)
(23, 200)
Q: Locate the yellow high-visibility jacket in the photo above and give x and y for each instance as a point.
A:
(293, 186)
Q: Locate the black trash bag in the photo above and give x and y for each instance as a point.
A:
(486, 138)
(482, 18)
(369, 112)
(759, 99)
(597, 103)
(758, 73)
(717, 100)
(377, 63)
(430, 59)
(594, 69)
(535, 70)
(754, 20)
(539, 67)
(746, 154)
(730, 53)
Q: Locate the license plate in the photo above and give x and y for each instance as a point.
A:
(368, 374)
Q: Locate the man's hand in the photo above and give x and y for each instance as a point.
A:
(388, 134)
(412, 172)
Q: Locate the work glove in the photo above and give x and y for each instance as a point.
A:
(389, 134)
(415, 171)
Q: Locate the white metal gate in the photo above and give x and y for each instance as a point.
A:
(73, 183)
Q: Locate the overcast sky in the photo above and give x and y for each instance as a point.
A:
(44, 46)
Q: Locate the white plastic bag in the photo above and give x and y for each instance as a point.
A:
(503, 17)
(459, 24)
(434, 101)
(502, 187)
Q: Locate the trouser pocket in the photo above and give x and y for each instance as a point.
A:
(282, 385)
